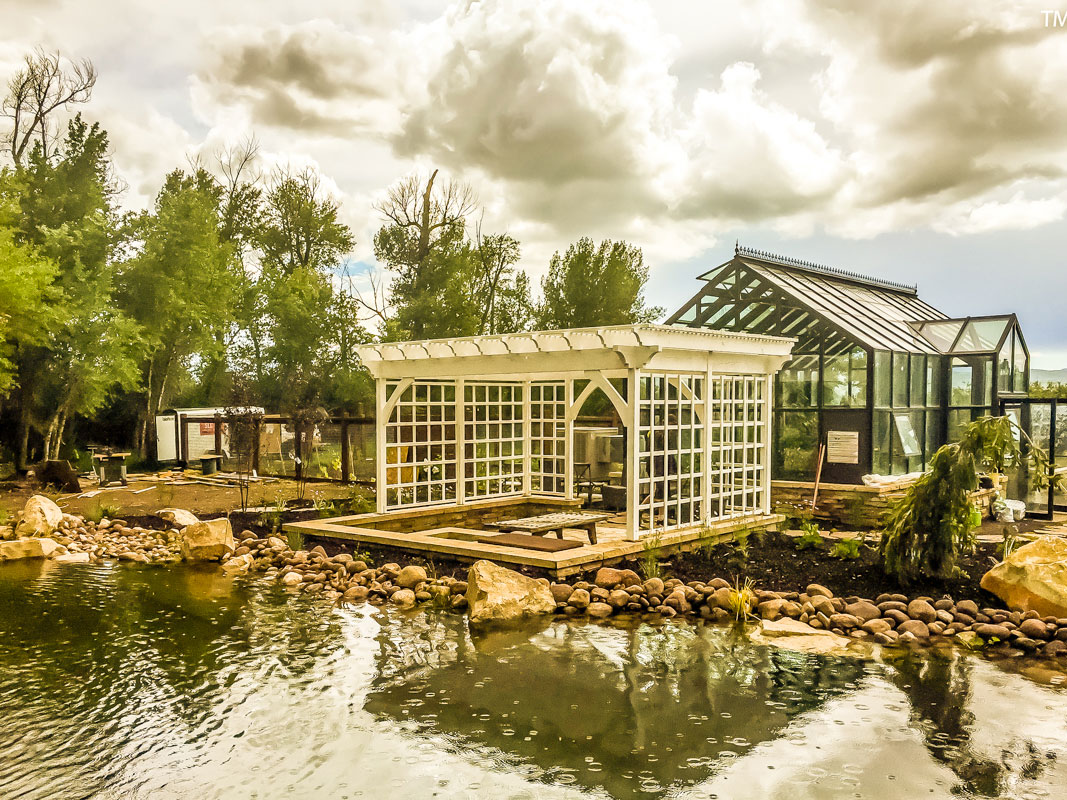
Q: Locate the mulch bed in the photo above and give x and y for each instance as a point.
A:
(775, 563)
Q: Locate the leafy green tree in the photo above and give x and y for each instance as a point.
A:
(27, 311)
(593, 285)
(180, 287)
(67, 215)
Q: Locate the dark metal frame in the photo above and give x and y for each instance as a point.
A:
(1027, 403)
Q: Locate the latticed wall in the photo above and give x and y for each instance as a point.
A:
(548, 437)
(420, 445)
(738, 435)
(671, 460)
(493, 452)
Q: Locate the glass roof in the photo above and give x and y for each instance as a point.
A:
(966, 335)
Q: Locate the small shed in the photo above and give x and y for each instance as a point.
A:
(183, 435)
(472, 419)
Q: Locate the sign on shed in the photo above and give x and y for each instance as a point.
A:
(842, 447)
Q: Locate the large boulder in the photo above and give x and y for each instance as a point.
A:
(1033, 578)
(36, 547)
(40, 517)
(495, 593)
(207, 541)
(411, 576)
(178, 517)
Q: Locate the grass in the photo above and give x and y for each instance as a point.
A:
(650, 554)
(740, 599)
(272, 517)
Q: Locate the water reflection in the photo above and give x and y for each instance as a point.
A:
(174, 683)
(631, 711)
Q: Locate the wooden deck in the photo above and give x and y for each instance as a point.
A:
(461, 543)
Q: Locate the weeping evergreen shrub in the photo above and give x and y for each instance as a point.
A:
(934, 523)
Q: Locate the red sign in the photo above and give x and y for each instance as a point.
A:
(207, 428)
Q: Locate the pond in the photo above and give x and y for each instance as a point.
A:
(124, 682)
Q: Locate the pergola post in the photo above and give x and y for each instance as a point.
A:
(768, 427)
(527, 441)
(705, 449)
(633, 457)
(461, 441)
(380, 420)
(568, 462)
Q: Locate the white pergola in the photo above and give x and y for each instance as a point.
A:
(460, 420)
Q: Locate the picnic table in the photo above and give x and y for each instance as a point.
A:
(111, 467)
(547, 523)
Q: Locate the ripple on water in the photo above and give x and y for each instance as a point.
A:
(119, 682)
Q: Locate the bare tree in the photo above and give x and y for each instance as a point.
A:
(418, 209)
(35, 92)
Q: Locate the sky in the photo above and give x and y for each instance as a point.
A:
(916, 141)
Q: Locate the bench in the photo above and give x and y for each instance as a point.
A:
(553, 523)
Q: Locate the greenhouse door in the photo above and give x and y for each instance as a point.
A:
(846, 433)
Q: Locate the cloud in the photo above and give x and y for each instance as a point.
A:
(315, 77)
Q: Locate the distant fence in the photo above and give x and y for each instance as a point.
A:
(340, 448)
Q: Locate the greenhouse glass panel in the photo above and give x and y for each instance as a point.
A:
(981, 335)
(941, 334)
(883, 377)
(900, 379)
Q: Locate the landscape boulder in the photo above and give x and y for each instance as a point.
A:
(207, 541)
(498, 594)
(1033, 578)
(410, 577)
(239, 563)
(178, 517)
(795, 635)
(40, 517)
(609, 578)
(36, 547)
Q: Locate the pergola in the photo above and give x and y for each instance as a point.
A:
(471, 419)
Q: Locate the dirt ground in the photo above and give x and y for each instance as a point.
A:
(147, 494)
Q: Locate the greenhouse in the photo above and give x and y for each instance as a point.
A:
(878, 379)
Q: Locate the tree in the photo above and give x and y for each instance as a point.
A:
(934, 522)
(300, 226)
(180, 287)
(593, 285)
(67, 215)
(446, 284)
(38, 90)
(27, 299)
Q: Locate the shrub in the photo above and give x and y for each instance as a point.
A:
(811, 539)
(846, 549)
(934, 523)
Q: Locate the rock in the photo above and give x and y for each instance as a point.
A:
(39, 547)
(654, 586)
(988, 630)
(845, 622)
(495, 593)
(677, 601)
(355, 594)
(1055, 648)
(292, 578)
(970, 639)
(178, 517)
(876, 626)
(1034, 577)
(915, 627)
(207, 541)
(618, 598)
(794, 635)
(561, 592)
(73, 558)
(968, 607)
(238, 563)
(133, 555)
(579, 599)
(771, 609)
(1034, 628)
(863, 610)
(599, 610)
(279, 543)
(410, 577)
(922, 610)
(40, 517)
(815, 590)
(405, 598)
(608, 578)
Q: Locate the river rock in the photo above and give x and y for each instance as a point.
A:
(654, 587)
(495, 593)
(292, 579)
(579, 599)
(38, 547)
(817, 590)
(599, 610)
(618, 598)
(238, 563)
(921, 610)
(771, 609)
(561, 592)
(609, 578)
(989, 630)
(178, 517)
(876, 626)
(863, 610)
(405, 598)
(207, 541)
(410, 577)
(1034, 628)
(40, 517)
(916, 627)
(72, 558)
(1034, 577)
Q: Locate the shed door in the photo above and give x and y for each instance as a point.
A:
(846, 433)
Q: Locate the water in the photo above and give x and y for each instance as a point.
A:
(121, 682)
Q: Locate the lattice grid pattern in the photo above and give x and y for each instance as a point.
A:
(738, 435)
(671, 444)
(548, 437)
(493, 439)
(420, 446)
